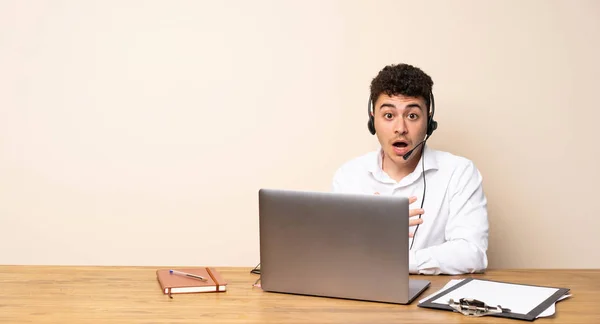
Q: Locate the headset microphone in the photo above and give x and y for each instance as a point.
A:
(407, 155)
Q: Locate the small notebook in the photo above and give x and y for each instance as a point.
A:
(177, 284)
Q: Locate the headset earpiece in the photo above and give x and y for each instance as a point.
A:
(431, 126)
(431, 123)
(371, 126)
(371, 122)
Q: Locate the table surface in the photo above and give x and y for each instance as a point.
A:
(90, 294)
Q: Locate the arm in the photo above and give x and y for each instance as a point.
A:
(466, 232)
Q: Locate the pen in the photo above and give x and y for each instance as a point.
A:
(185, 274)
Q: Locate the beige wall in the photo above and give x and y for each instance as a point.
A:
(138, 132)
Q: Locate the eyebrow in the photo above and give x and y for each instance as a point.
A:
(412, 105)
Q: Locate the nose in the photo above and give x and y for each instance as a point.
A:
(400, 127)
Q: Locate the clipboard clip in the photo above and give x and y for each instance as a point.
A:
(474, 307)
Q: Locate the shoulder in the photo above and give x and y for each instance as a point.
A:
(360, 163)
(450, 161)
(352, 174)
(458, 169)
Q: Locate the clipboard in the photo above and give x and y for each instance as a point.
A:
(516, 301)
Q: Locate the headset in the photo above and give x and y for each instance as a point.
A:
(431, 123)
(431, 126)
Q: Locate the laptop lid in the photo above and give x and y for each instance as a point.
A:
(335, 245)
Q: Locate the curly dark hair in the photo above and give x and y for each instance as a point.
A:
(402, 79)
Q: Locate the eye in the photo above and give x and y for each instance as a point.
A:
(413, 116)
(388, 116)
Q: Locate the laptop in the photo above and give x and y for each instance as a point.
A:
(336, 245)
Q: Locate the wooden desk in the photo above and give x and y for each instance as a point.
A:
(61, 294)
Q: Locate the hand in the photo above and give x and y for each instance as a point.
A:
(413, 213)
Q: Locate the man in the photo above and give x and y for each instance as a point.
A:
(448, 208)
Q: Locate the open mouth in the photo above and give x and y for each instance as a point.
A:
(400, 144)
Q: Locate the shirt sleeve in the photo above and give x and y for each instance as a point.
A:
(466, 233)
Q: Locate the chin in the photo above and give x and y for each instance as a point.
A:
(397, 158)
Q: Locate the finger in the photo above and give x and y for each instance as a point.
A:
(412, 199)
(415, 212)
(377, 193)
(411, 234)
(415, 222)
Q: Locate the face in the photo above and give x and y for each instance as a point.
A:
(401, 124)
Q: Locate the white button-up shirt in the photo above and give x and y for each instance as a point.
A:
(453, 237)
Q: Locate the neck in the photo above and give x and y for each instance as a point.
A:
(399, 170)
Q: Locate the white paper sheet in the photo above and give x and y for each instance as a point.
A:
(540, 293)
